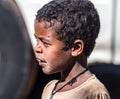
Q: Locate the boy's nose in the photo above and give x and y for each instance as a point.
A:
(38, 49)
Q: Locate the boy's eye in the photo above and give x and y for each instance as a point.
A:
(45, 44)
(43, 41)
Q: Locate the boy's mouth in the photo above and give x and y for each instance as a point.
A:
(41, 61)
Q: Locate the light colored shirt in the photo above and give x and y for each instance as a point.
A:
(90, 89)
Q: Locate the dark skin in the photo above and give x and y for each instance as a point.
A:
(53, 59)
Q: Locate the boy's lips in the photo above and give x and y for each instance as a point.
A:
(41, 62)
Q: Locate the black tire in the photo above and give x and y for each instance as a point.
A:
(17, 73)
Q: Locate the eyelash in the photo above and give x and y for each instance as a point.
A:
(44, 43)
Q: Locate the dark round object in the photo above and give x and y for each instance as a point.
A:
(17, 70)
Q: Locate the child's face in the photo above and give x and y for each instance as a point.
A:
(49, 50)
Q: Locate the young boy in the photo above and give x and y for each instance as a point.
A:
(66, 31)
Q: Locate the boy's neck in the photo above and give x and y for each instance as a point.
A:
(83, 75)
(72, 72)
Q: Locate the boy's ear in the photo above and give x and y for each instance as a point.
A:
(77, 48)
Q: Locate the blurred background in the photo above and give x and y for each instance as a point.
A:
(20, 75)
(107, 48)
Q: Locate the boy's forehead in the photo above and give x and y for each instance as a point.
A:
(43, 25)
(42, 30)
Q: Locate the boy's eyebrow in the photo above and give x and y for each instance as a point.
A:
(42, 39)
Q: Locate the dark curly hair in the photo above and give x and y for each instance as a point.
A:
(78, 19)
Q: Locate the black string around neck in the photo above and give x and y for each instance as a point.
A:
(73, 80)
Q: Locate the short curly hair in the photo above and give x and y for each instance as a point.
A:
(78, 19)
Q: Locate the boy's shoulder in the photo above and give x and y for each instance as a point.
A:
(95, 88)
(48, 88)
(52, 82)
(94, 82)
(50, 85)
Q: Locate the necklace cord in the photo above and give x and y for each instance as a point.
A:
(73, 80)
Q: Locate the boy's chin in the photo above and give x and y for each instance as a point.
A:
(48, 72)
